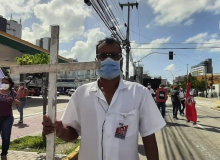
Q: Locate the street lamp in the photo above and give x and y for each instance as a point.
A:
(173, 74)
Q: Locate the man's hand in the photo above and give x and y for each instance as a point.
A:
(48, 126)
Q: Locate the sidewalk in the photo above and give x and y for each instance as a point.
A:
(31, 126)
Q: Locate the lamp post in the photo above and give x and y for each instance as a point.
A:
(173, 74)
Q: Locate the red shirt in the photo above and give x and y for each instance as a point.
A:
(6, 101)
(22, 93)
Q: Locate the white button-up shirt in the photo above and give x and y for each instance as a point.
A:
(95, 121)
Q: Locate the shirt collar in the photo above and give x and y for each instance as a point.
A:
(121, 86)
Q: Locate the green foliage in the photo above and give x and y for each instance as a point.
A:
(5, 71)
(198, 85)
(36, 144)
(39, 58)
(218, 106)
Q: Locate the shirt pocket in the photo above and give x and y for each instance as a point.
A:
(130, 119)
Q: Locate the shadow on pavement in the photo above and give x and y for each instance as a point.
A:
(170, 124)
(209, 128)
(199, 116)
(141, 149)
(21, 125)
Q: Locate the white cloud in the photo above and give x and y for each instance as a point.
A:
(189, 22)
(208, 41)
(170, 67)
(85, 51)
(138, 53)
(148, 26)
(20, 8)
(65, 53)
(176, 11)
(69, 15)
(198, 38)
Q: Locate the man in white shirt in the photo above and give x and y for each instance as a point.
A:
(110, 113)
(182, 101)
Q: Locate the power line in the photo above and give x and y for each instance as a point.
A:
(120, 13)
(179, 48)
(105, 13)
(138, 25)
(184, 43)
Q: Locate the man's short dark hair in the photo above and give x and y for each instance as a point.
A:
(109, 41)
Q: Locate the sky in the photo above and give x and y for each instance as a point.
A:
(155, 24)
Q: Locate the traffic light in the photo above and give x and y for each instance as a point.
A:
(170, 55)
(88, 2)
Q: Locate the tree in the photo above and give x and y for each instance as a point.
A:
(198, 85)
(5, 71)
(39, 58)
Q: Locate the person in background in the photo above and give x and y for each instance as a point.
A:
(7, 98)
(176, 101)
(150, 90)
(162, 105)
(193, 94)
(182, 95)
(22, 94)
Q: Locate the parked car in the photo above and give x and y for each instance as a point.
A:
(58, 93)
(67, 91)
(33, 92)
(71, 92)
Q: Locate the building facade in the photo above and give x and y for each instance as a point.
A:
(11, 27)
(202, 68)
(44, 43)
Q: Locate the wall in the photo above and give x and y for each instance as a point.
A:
(216, 78)
(3, 24)
(216, 90)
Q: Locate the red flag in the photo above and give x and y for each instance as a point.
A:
(191, 114)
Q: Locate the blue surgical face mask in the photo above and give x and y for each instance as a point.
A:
(109, 69)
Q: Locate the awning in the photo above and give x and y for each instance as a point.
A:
(12, 47)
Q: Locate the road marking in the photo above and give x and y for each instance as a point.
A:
(200, 126)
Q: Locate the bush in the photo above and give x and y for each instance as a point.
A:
(36, 144)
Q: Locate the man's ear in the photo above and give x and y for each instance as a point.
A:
(121, 65)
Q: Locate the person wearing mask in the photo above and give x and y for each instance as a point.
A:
(176, 102)
(192, 94)
(22, 94)
(98, 110)
(151, 90)
(7, 98)
(182, 101)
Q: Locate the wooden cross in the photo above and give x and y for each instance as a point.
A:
(53, 68)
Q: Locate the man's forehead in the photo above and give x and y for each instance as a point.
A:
(109, 47)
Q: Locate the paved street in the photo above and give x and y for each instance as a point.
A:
(179, 140)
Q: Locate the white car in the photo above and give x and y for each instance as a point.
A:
(71, 92)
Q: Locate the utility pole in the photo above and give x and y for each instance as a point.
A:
(127, 35)
(187, 72)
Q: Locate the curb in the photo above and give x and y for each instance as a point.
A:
(217, 102)
(214, 108)
(73, 155)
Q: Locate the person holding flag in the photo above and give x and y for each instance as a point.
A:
(191, 114)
